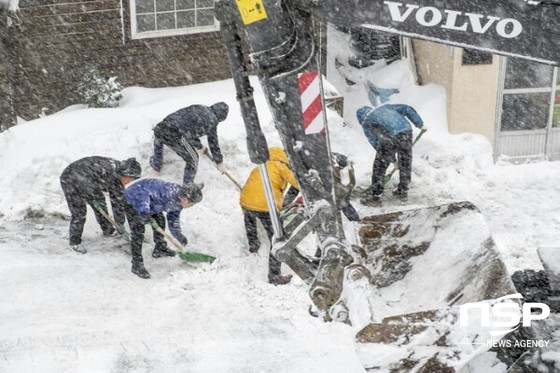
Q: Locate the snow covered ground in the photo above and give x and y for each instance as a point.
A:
(65, 312)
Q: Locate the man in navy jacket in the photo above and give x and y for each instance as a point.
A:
(148, 199)
(389, 131)
(182, 130)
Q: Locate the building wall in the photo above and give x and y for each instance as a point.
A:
(60, 40)
(7, 114)
(470, 107)
(474, 106)
(434, 63)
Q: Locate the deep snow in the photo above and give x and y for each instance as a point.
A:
(62, 311)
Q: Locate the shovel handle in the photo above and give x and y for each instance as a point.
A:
(169, 237)
(233, 180)
(225, 173)
(105, 215)
(422, 132)
(110, 219)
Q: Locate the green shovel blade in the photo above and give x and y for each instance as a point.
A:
(191, 256)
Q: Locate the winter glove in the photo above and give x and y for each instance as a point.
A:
(120, 229)
(221, 168)
(144, 219)
(424, 129)
(182, 239)
(202, 151)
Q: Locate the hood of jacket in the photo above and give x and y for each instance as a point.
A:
(277, 154)
(362, 113)
(221, 110)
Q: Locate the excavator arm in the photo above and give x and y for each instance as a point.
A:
(282, 51)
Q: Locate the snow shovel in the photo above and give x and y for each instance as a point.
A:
(189, 256)
(126, 235)
(225, 173)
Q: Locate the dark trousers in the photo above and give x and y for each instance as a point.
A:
(250, 218)
(402, 146)
(348, 210)
(290, 196)
(183, 149)
(137, 225)
(77, 201)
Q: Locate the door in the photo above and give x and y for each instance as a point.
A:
(553, 146)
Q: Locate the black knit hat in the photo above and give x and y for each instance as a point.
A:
(192, 191)
(129, 167)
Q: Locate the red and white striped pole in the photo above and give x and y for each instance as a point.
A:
(311, 102)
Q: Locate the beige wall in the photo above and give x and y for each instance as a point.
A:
(471, 89)
(434, 63)
(475, 89)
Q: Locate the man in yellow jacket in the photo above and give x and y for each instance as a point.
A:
(253, 202)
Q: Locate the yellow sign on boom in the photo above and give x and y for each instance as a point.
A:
(251, 10)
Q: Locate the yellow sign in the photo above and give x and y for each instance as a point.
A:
(251, 10)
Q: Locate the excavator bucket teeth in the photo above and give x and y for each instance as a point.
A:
(424, 263)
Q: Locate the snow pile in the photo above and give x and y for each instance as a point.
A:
(96, 316)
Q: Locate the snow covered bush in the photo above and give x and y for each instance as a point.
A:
(11, 5)
(97, 91)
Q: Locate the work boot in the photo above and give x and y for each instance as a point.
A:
(254, 249)
(371, 200)
(279, 280)
(111, 232)
(401, 195)
(79, 248)
(163, 251)
(139, 270)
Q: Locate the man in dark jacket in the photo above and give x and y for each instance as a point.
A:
(389, 127)
(182, 130)
(83, 183)
(147, 200)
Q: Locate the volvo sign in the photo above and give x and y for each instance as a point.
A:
(509, 27)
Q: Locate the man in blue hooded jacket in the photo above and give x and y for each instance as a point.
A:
(148, 199)
(182, 130)
(389, 131)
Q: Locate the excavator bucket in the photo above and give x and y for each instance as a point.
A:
(424, 264)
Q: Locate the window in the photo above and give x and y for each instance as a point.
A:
(476, 57)
(526, 100)
(523, 74)
(525, 111)
(556, 113)
(153, 18)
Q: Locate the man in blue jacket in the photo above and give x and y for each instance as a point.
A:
(182, 130)
(148, 199)
(389, 131)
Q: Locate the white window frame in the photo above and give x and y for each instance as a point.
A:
(162, 33)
